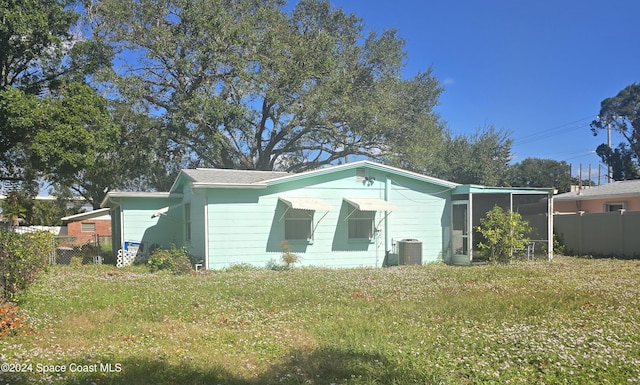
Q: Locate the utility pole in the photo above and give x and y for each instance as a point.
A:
(608, 123)
(580, 178)
(609, 170)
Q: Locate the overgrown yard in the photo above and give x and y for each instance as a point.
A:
(570, 321)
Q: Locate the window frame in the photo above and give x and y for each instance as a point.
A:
(356, 217)
(606, 207)
(294, 217)
(187, 222)
(92, 225)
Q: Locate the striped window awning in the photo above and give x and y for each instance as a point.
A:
(306, 203)
(370, 204)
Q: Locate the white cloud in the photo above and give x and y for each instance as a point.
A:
(448, 81)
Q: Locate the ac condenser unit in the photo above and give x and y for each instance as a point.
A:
(410, 252)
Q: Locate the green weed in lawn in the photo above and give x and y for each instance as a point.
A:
(570, 321)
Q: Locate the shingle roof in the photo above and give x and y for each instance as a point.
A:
(217, 175)
(613, 189)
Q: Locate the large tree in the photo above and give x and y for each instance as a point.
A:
(246, 84)
(621, 160)
(89, 146)
(54, 126)
(34, 36)
(535, 172)
(479, 158)
(76, 141)
(621, 114)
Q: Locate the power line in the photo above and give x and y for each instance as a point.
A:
(555, 128)
(582, 155)
(567, 155)
(546, 133)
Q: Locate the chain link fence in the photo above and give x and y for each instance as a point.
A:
(81, 249)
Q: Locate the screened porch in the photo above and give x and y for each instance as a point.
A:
(471, 203)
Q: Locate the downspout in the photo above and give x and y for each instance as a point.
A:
(205, 215)
(206, 230)
(387, 195)
(470, 228)
(550, 227)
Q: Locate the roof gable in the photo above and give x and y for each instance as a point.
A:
(221, 178)
(360, 164)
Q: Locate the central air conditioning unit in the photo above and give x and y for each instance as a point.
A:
(410, 252)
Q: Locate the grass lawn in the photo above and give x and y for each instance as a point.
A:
(570, 321)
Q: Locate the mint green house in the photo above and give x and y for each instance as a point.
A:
(356, 214)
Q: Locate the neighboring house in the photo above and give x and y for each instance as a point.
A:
(355, 214)
(601, 220)
(609, 197)
(96, 222)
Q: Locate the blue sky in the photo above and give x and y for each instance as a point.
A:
(538, 69)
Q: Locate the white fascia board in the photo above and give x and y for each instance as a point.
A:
(123, 194)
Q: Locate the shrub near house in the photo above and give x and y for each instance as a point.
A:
(503, 232)
(22, 256)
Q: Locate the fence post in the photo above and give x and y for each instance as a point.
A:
(52, 253)
(621, 250)
(580, 232)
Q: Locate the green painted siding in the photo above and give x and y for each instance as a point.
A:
(197, 207)
(116, 236)
(138, 225)
(423, 214)
(245, 225)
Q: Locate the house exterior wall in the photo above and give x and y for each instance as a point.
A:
(138, 226)
(595, 205)
(116, 228)
(196, 205)
(245, 225)
(424, 213)
(102, 227)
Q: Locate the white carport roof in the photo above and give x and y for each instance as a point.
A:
(88, 215)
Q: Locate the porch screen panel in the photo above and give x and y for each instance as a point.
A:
(482, 204)
(460, 229)
(533, 209)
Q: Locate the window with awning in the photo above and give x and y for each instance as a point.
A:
(298, 224)
(361, 219)
(299, 214)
